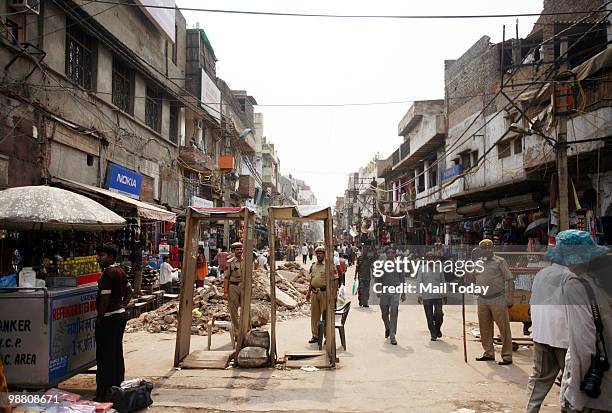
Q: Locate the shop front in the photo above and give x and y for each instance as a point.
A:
(48, 275)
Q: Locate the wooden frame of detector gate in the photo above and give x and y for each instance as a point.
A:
(194, 217)
(291, 213)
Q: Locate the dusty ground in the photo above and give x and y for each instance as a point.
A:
(372, 376)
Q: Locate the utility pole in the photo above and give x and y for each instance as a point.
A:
(562, 107)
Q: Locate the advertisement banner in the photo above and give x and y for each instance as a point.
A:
(72, 344)
(210, 97)
(123, 180)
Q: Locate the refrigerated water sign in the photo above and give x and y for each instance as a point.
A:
(123, 180)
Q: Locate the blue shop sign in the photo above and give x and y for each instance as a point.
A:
(452, 172)
(123, 180)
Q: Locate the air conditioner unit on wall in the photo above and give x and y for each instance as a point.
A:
(27, 6)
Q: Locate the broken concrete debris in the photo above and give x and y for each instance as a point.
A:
(208, 302)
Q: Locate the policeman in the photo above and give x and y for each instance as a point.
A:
(231, 284)
(317, 290)
(493, 306)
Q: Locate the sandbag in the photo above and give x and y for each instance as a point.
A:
(252, 357)
(257, 338)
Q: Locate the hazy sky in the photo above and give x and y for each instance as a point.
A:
(298, 60)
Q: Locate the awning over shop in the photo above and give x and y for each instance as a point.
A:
(600, 61)
(300, 212)
(143, 209)
(222, 212)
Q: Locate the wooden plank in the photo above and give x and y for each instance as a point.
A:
(183, 334)
(202, 359)
(316, 360)
(247, 275)
(330, 321)
(272, 255)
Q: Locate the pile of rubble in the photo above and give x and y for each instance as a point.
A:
(291, 287)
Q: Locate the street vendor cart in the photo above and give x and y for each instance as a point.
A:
(47, 331)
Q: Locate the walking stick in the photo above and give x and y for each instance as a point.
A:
(463, 325)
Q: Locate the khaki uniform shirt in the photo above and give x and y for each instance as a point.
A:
(234, 268)
(317, 275)
(496, 273)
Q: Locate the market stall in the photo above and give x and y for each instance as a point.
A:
(48, 304)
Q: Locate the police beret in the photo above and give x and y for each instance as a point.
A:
(320, 248)
(236, 245)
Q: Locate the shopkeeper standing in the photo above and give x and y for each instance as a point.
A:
(114, 294)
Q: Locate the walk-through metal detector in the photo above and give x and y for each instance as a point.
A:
(203, 358)
(305, 213)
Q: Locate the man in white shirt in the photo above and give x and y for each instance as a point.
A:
(586, 385)
(304, 253)
(550, 332)
(429, 277)
(165, 275)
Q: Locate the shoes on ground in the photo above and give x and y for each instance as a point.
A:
(313, 340)
(433, 338)
(504, 362)
(439, 335)
(394, 341)
(485, 358)
(366, 306)
(386, 333)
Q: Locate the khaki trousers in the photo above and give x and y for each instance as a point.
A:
(498, 313)
(233, 304)
(318, 304)
(548, 361)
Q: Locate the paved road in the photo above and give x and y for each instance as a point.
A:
(373, 376)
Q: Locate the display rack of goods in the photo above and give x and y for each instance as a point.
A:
(149, 276)
(76, 271)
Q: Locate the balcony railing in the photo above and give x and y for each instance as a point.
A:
(404, 149)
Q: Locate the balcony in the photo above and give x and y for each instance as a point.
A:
(268, 178)
(428, 139)
(196, 159)
(246, 186)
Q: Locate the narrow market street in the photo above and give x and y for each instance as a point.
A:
(416, 375)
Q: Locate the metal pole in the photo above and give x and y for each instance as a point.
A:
(562, 147)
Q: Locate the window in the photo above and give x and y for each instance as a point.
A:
(474, 157)
(153, 108)
(433, 176)
(174, 48)
(90, 160)
(518, 145)
(174, 122)
(123, 86)
(79, 56)
(14, 29)
(466, 160)
(503, 149)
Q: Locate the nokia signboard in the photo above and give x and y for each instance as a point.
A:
(123, 180)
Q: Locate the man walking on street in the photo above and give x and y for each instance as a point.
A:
(114, 294)
(304, 253)
(432, 302)
(550, 332)
(231, 285)
(389, 300)
(363, 273)
(493, 307)
(318, 293)
(587, 377)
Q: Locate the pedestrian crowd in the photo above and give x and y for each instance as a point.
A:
(570, 307)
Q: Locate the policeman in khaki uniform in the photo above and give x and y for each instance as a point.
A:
(317, 290)
(231, 284)
(493, 307)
